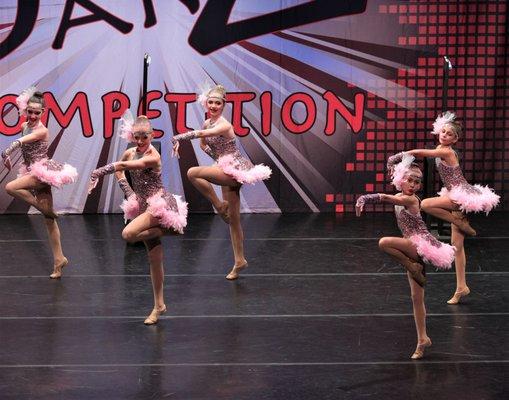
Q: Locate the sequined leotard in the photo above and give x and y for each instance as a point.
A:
(470, 198)
(428, 247)
(228, 157)
(151, 196)
(37, 163)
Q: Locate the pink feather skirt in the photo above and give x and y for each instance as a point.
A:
(169, 209)
(51, 172)
(472, 198)
(433, 251)
(242, 170)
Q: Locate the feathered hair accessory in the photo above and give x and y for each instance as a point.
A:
(401, 170)
(125, 126)
(23, 98)
(443, 119)
(205, 90)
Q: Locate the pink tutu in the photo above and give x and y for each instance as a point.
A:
(242, 170)
(170, 219)
(160, 206)
(51, 172)
(472, 198)
(441, 255)
(130, 207)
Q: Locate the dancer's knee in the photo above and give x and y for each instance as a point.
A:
(10, 188)
(383, 243)
(129, 235)
(192, 173)
(426, 205)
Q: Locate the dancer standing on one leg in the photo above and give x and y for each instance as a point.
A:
(154, 212)
(415, 244)
(38, 173)
(460, 262)
(230, 171)
(457, 197)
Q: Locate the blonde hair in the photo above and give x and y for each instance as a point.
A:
(415, 167)
(456, 127)
(143, 120)
(218, 89)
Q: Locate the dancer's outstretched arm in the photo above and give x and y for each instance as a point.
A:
(150, 161)
(445, 153)
(39, 134)
(218, 130)
(400, 200)
(221, 128)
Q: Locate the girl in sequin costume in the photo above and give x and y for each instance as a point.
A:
(38, 173)
(154, 211)
(416, 244)
(231, 169)
(457, 197)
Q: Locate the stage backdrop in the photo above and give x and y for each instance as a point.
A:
(321, 91)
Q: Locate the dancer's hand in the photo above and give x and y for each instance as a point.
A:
(359, 208)
(92, 184)
(7, 152)
(175, 150)
(99, 172)
(7, 163)
(393, 160)
(359, 205)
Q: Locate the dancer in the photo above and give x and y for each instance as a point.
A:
(152, 210)
(417, 243)
(38, 173)
(457, 197)
(231, 170)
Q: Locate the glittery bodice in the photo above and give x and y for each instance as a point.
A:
(33, 151)
(147, 183)
(222, 146)
(450, 175)
(410, 224)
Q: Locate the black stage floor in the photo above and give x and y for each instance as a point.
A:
(319, 314)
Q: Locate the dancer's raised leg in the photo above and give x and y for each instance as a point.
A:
(22, 187)
(442, 207)
(202, 177)
(404, 251)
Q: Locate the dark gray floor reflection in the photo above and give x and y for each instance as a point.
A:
(254, 382)
(319, 314)
(198, 295)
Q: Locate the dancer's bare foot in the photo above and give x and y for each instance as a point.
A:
(455, 299)
(419, 350)
(234, 273)
(50, 214)
(57, 269)
(153, 318)
(417, 271)
(222, 210)
(461, 221)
